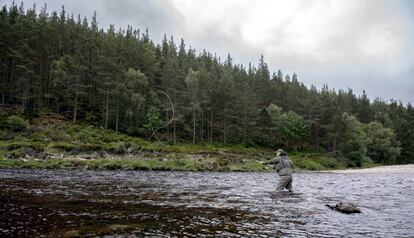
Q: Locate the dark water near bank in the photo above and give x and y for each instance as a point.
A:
(50, 203)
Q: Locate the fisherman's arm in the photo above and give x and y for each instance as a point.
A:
(272, 161)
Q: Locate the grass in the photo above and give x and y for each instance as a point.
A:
(317, 162)
(129, 164)
(50, 136)
(176, 164)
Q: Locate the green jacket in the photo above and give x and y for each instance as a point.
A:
(283, 164)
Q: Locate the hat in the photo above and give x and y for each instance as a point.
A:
(279, 151)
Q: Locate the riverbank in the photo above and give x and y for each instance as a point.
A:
(188, 162)
(52, 142)
(168, 162)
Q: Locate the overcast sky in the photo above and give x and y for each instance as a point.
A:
(358, 44)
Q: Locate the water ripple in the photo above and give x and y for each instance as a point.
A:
(139, 203)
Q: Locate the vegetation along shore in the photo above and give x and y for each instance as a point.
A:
(52, 142)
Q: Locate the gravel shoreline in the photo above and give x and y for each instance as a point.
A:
(392, 169)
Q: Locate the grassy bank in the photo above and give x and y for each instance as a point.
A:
(185, 164)
(134, 164)
(50, 142)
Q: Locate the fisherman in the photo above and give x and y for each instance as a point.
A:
(284, 168)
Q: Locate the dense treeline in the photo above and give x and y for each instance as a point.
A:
(113, 78)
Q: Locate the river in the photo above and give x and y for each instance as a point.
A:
(72, 203)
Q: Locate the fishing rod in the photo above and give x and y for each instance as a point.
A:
(154, 131)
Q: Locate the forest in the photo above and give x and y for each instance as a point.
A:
(121, 80)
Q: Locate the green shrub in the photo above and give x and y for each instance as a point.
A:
(14, 123)
(62, 146)
(90, 147)
(308, 164)
(181, 164)
(312, 165)
(10, 163)
(221, 162)
(113, 165)
(58, 135)
(329, 162)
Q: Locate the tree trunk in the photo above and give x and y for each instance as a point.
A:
(131, 124)
(107, 109)
(76, 107)
(48, 88)
(3, 85)
(24, 103)
(202, 126)
(175, 135)
(244, 125)
(39, 95)
(194, 124)
(211, 125)
(117, 116)
(12, 84)
(224, 126)
(24, 99)
(224, 134)
(168, 119)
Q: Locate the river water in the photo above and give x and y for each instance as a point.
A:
(50, 203)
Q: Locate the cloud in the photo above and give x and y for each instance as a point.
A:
(155, 15)
(315, 32)
(343, 43)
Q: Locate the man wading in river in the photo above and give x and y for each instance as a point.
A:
(284, 168)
